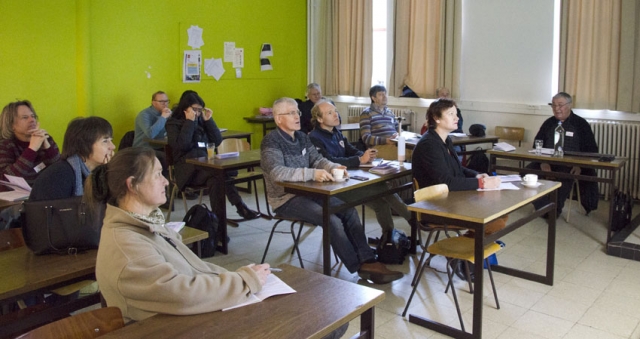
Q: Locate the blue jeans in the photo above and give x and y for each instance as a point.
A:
(347, 236)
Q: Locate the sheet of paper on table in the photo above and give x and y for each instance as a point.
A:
(510, 178)
(547, 151)
(274, 286)
(503, 186)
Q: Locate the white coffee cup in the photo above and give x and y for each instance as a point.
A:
(530, 179)
(337, 173)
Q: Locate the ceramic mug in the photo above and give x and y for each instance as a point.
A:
(530, 179)
(337, 173)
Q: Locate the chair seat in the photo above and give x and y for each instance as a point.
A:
(256, 174)
(460, 248)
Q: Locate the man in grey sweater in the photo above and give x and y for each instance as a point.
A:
(288, 155)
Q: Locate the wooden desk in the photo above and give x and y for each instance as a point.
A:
(320, 305)
(225, 135)
(606, 171)
(473, 210)
(264, 120)
(25, 274)
(191, 235)
(411, 143)
(219, 167)
(326, 190)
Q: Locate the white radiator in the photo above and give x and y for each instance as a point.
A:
(623, 140)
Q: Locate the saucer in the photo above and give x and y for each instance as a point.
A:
(340, 180)
(525, 184)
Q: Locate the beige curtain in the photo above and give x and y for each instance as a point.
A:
(348, 48)
(590, 52)
(427, 46)
(628, 99)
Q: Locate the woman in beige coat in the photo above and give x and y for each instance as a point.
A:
(142, 267)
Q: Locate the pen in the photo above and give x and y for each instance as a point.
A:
(273, 269)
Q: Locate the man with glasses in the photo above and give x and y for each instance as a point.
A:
(287, 154)
(334, 146)
(150, 125)
(578, 138)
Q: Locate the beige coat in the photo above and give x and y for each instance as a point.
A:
(143, 274)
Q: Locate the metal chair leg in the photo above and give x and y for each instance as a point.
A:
(273, 229)
(453, 290)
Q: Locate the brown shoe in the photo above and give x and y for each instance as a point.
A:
(378, 273)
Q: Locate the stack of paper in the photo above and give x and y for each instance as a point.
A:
(383, 168)
(274, 286)
(227, 155)
(503, 146)
(21, 189)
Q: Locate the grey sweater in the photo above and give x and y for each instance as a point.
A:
(284, 159)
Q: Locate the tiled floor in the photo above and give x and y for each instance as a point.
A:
(594, 295)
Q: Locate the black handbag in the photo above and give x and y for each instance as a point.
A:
(62, 226)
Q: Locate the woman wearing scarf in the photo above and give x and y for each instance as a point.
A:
(88, 143)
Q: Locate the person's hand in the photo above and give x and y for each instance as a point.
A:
(321, 175)
(575, 170)
(190, 114)
(346, 174)
(482, 175)
(166, 113)
(389, 142)
(262, 271)
(491, 182)
(545, 167)
(38, 138)
(207, 113)
(107, 157)
(368, 156)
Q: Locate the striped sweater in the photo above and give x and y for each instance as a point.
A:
(286, 159)
(376, 126)
(17, 159)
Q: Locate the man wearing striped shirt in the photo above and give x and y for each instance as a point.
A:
(378, 124)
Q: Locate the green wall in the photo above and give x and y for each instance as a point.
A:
(106, 58)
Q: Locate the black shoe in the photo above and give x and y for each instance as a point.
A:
(246, 213)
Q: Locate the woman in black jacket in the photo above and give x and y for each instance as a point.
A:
(189, 129)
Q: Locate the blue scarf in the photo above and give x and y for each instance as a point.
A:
(80, 170)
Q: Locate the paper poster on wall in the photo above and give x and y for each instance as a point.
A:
(265, 65)
(266, 51)
(229, 49)
(238, 58)
(195, 37)
(213, 67)
(191, 66)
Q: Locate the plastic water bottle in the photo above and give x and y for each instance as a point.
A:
(558, 141)
(401, 144)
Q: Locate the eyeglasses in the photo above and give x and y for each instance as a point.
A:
(559, 106)
(197, 109)
(292, 113)
(163, 101)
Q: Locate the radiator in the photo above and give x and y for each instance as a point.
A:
(623, 140)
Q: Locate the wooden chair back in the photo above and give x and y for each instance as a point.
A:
(91, 324)
(233, 145)
(11, 238)
(510, 133)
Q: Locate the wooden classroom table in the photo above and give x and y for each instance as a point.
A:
(320, 305)
(219, 168)
(264, 120)
(225, 135)
(474, 210)
(607, 169)
(368, 190)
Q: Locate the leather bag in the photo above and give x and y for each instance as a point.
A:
(62, 226)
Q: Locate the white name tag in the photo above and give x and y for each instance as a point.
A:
(304, 151)
(39, 167)
(569, 134)
(202, 144)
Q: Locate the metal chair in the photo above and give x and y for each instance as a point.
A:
(575, 184)
(91, 324)
(168, 151)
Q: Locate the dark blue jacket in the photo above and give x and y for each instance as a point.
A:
(335, 147)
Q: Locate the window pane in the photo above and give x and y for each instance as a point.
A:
(380, 49)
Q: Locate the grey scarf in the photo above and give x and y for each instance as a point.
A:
(80, 170)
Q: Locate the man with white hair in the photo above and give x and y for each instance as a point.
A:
(287, 154)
